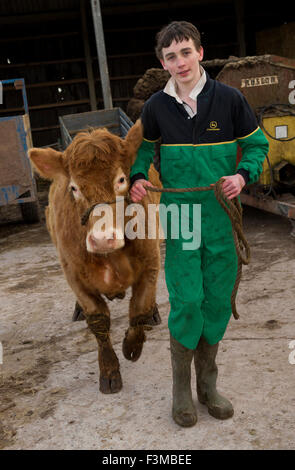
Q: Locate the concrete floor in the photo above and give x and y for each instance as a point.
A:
(49, 376)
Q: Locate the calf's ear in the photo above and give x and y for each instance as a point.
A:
(133, 141)
(48, 162)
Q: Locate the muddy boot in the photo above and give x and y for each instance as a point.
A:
(183, 409)
(206, 371)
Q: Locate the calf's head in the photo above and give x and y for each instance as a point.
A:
(96, 166)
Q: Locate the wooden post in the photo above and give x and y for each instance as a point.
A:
(101, 52)
(88, 59)
(240, 11)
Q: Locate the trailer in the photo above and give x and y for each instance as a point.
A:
(115, 120)
(268, 84)
(17, 183)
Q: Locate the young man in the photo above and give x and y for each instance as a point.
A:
(200, 122)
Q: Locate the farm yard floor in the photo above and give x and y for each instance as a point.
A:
(49, 376)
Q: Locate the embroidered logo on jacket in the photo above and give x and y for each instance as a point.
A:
(213, 126)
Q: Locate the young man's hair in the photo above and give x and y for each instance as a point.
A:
(178, 30)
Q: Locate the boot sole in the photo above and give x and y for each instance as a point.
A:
(184, 424)
(216, 415)
(220, 416)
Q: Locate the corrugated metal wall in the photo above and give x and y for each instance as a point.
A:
(43, 41)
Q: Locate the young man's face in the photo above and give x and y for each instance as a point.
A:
(181, 59)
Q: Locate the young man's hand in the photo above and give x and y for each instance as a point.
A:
(137, 191)
(233, 185)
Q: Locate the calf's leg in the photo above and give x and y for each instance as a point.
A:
(78, 313)
(110, 378)
(153, 318)
(97, 315)
(143, 311)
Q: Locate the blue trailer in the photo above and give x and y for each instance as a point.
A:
(17, 183)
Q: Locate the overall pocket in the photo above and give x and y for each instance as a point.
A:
(223, 158)
(176, 166)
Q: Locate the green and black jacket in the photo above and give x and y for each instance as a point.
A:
(201, 149)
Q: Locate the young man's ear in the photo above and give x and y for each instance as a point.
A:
(163, 64)
(48, 162)
(201, 52)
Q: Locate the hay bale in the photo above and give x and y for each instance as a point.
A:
(152, 81)
(134, 108)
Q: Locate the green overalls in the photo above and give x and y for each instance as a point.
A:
(199, 280)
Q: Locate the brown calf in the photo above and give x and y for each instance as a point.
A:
(98, 260)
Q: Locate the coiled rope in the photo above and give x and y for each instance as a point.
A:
(234, 210)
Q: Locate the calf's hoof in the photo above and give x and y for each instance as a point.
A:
(154, 318)
(133, 343)
(112, 384)
(78, 313)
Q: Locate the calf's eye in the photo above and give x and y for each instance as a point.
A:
(73, 188)
(121, 180)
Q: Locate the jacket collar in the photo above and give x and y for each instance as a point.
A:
(171, 88)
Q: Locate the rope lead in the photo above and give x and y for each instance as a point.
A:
(234, 211)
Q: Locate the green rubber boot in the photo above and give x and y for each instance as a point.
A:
(206, 371)
(183, 409)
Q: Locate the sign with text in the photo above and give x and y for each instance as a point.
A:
(259, 81)
(292, 93)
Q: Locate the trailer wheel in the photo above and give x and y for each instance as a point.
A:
(30, 212)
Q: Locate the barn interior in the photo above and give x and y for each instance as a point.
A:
(52, 45)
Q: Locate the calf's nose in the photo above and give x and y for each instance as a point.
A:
(104, 241)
